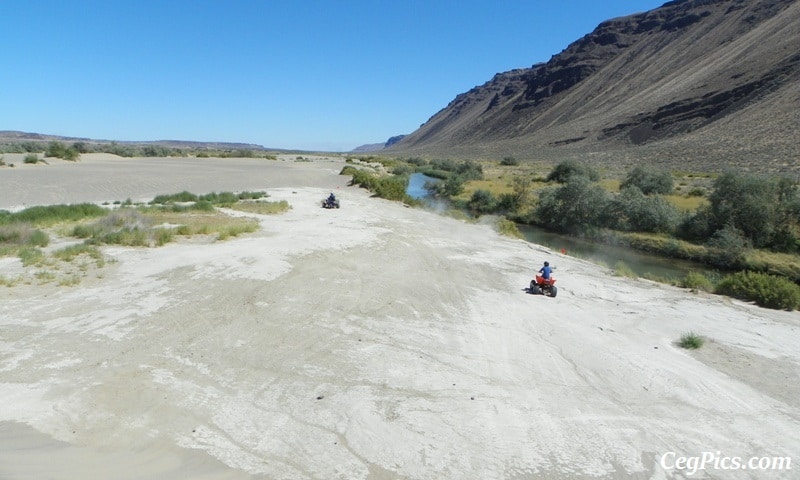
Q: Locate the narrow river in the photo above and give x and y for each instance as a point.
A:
(641, 263)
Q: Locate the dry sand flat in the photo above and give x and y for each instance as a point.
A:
(378, 341)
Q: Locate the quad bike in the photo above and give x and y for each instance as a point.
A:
(541, 286)
(330, 203)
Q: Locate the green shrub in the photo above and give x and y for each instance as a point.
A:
(691, 340)
(55, 149)
(766, 290)
(38, 238)
(199, 206)
(452, 186)
(252, 195)
(697, 282)
(263, 208)
(632, 210)
(31, 158)
(222, 198)
(575, 207)
(564, 171)
(54, 213)
(648, 180)
(236, 230)
(621, 269)
(482, 201)
(183, 196)
(69, 253)
(30, 256)
(348, 170)
(122, 227)
(391, 188)
(23, 234)
(508, 228)
(162, 236)
(727, 248)
(509, 161)
(70, 155)
(402, 170)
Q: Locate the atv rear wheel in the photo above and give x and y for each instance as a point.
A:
(553, 291)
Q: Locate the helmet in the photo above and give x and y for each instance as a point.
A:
(546, 264)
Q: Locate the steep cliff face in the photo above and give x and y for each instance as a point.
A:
(690, 73)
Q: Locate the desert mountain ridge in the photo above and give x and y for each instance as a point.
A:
(13, 136)
(711, 83)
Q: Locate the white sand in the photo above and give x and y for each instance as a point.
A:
(375, 341)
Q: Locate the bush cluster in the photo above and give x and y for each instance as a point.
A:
(649, 180)
(575, 207)
(565, 171)
(763, 212)
(45, 215)
(453, 175)
(697, 282)
(766, 290)
(60, 150)
(209, 199)
(744, 211)
(391, 187)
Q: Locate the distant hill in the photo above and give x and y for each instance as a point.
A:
(9, 136)
(695, 83)
(374, 147)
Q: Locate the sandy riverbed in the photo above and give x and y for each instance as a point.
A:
(374, 341)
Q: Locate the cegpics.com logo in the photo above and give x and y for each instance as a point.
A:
(690, 465)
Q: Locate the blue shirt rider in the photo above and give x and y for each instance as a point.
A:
(546, 270)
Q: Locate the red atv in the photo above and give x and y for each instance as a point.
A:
(541, 286)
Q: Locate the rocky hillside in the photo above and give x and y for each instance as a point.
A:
(694, 83)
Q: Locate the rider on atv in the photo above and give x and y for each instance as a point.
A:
(544, 283)
(546, 271)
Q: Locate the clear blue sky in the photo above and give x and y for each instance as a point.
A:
(317, 75)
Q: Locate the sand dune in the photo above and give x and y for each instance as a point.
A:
(375, 341)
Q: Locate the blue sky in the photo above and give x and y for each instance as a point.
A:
(316, 75)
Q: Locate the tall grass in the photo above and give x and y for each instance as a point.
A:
(68, 254)
(262, 208)
(50, 215)
(23, 234)
(31, 256)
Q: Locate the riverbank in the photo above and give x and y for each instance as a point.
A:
(372, 341)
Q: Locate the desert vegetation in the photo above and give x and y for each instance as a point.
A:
(87, 227)
(734, 222)
(60, 150)
(691, 341)
(72, 151)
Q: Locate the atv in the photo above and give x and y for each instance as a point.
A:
(330, 202)
(541, 286)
